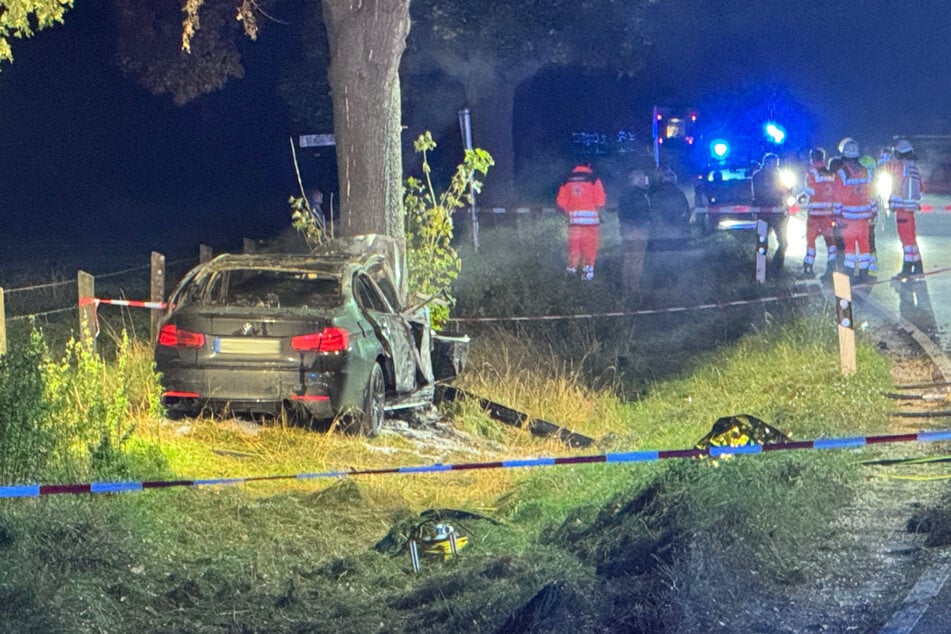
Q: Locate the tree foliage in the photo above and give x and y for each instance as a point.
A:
(491, 46)
(511, 37)
(432, 262)
(20, 19)
(184, 57)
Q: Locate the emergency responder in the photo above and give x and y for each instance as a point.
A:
(820, 190)
(769, 194)
(869, 161)
(634, 217)
(855, 206)
(835, 164)
(905, 201)
(581, 197)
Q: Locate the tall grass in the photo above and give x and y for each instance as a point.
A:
(73, 417)
(601, 547)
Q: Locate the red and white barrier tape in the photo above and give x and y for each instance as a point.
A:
(85, 301)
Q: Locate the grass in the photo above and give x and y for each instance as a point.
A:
(601, 547)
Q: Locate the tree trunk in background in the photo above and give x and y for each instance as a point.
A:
(492, 107)
(367, 39)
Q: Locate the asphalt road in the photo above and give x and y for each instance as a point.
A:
(927, 305)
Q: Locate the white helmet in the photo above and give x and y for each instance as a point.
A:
(843, 142)
(850, 149)
(904, 147)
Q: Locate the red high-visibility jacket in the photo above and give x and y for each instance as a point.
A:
(820, 187)
(853, 191)
(582, 196)
(906, 185)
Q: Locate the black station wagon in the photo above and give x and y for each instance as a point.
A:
(323, 336)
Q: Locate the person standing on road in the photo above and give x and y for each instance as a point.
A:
(820, 189)
(872, 164)
(835, 164)
(905, 201)
(581, 197)
(856, 205)
(634, 218)
(769, 194)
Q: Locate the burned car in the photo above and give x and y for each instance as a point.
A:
(322, 335)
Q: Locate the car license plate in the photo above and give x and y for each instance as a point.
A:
(247, 345)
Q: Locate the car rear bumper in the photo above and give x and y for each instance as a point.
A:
(251, 390)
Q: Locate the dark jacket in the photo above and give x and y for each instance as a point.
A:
(634, 206)
(768, 190)
(670, 204)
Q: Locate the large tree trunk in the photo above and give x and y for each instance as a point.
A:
(367, 39)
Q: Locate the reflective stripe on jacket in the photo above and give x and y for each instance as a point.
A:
(853, 191)
(582, 196)
(906, 185)
(820, 187)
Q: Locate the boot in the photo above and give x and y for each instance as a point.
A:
(918, 270)
(905, 273)
(807, 272)
(863, 277)
(588, 273)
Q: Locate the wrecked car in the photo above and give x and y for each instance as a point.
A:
(321, 336)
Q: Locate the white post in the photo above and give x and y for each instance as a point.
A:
(762, 242)
(842, 286)
(465, 126)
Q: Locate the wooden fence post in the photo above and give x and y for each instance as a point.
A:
(3, 325)
(204, 253)
(157, 290)
(842, 287)
(86, 285)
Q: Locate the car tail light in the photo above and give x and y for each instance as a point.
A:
(172, 336)
(174, 394)
(329, 339)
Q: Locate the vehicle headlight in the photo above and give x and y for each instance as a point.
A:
(788, 178)
(883, 185)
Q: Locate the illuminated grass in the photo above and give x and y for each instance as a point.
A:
(297, 555)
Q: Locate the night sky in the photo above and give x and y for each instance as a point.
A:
(85, 151)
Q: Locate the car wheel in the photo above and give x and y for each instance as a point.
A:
(368, 421)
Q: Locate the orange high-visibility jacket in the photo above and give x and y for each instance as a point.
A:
(853, 189)
(820, 187)
(582, 196)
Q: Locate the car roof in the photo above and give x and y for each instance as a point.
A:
(324, 263)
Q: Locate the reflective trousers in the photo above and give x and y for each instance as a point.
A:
(855, 238)
(819, 226)
(908, 235)
(583, 243)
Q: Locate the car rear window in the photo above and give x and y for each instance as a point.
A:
(270, 288)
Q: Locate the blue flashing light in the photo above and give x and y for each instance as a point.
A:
(719, 149)
(774, 132)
